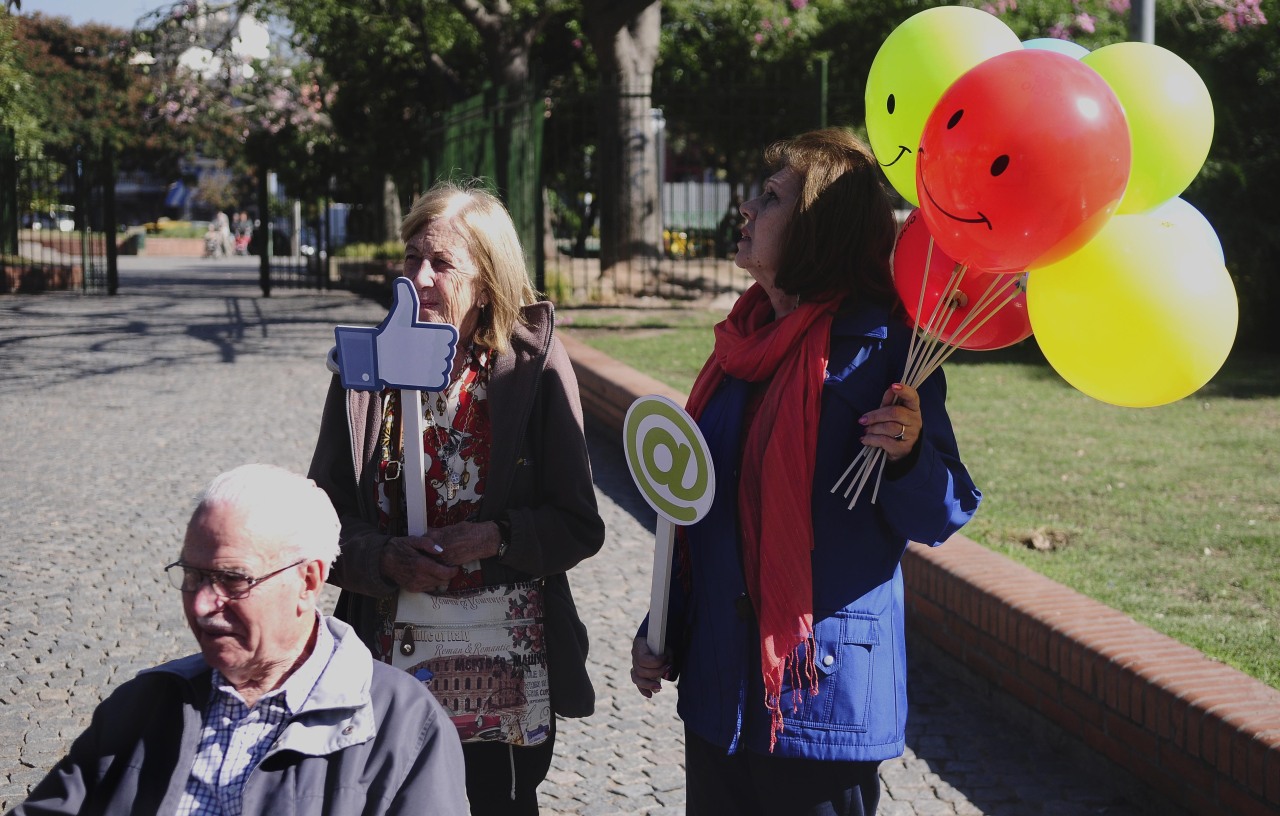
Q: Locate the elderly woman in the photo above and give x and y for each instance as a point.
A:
(509, 490)
(786, 622)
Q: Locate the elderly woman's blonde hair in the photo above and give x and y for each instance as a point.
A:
(491, 239)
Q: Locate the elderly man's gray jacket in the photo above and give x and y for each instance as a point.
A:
(369, 740)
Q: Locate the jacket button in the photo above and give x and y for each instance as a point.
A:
(346, 731)
(828, 660)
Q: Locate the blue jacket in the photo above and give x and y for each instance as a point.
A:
(860, 711)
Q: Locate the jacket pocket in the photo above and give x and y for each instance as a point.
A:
(846, 647)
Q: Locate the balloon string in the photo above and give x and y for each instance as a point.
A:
(867, 456)
(957, 274)
(928, 350)
(875, 491)
(868, 465)
(943, 311)
(928, 260)
(918, 349)
(950, 343)
(861, 455)
(1009, 290)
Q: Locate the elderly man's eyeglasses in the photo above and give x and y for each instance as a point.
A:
(229, 585)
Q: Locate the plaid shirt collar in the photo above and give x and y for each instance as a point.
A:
(297, 686)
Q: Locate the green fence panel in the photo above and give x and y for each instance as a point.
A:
(8, 193)
(497, 136)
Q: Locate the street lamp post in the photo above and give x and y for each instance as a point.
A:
(1142, 21)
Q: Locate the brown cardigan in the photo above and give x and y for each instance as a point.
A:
(539, 473)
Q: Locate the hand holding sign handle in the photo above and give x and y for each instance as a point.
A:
(405, 353)
(669, 462)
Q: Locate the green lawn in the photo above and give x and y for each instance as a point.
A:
(1169, 514)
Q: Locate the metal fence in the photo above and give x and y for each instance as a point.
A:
(706, 148)
(687, 158)
(57, 221)
(293, 241)
(496, 135)
(619, 194)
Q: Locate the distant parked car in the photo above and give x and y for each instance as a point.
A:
(62, 220)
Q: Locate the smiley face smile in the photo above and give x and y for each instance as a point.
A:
(981, 219)
(903, 150)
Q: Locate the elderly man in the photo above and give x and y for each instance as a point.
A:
(284, 710)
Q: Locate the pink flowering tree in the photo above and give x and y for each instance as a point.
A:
(1093, 23)
(234, 90)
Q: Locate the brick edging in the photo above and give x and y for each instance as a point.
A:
(1199, 732)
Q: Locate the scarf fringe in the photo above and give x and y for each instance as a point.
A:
(801, 667)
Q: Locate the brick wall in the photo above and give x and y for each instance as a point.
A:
(1204, 736)
(36, 278)
(156, 247)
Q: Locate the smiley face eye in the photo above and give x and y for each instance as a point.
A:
(999, 165)
(955, 119)
(891, 104)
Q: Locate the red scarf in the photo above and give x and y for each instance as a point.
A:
(776, 487)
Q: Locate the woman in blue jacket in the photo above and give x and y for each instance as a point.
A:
(786, 625)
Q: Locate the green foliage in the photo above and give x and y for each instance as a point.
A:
(19, 112)
(669, 344)
(734, 76)
(558, 288)
(82, 90)
(1166, 514)
(386, 251)
(394, 67)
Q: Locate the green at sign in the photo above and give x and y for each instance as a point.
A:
(668, 460)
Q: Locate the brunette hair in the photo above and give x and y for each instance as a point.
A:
(491, 239)
(840, 236)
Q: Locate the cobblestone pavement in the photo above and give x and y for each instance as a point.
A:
(115, 411)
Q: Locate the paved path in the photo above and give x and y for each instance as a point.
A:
(115, 411)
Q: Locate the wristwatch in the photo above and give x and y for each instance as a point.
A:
(504, 534)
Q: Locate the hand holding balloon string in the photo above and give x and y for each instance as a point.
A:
(930, 346)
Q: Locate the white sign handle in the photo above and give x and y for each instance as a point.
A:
(415, 466)
(671, 465)
(660, 592)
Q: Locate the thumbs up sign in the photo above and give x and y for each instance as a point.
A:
(402, 352)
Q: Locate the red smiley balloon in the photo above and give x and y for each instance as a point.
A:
(999, 322)
(1022, 161)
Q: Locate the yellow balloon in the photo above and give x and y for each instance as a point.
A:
(1143, 315)
(915, 64)
(1170, 118)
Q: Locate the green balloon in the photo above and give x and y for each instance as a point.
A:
(1170, 118)
(916, 63)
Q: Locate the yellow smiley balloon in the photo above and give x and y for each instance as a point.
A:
(1143, 315)
(1170, 118)
(915, 64)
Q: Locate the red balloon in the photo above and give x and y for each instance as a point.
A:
(1008, 322)
(1022, 161)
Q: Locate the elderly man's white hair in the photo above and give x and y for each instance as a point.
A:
(279, 506)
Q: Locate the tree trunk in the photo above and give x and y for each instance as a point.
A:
(630, 140)
(390, 210)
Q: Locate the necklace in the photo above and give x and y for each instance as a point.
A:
(449, 438)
